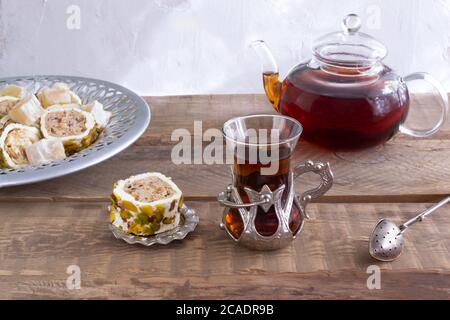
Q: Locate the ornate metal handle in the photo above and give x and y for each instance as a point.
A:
(324, 171)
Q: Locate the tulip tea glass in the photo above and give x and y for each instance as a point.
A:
(262, 210)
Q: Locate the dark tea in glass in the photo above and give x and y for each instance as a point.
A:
(262, 210)
(248, 175)
(251, 170)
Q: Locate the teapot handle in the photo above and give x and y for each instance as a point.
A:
(436, 84)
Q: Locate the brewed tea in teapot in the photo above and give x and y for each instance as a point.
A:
(345, 97)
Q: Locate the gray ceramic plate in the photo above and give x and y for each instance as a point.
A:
(130, 118)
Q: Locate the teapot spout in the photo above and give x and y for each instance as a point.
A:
(272, 85)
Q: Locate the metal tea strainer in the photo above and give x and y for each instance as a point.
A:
(386, 241)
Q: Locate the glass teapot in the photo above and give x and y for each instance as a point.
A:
(345, 97)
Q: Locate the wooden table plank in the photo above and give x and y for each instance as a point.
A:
(403, 170)
(38, 241)
(50, 225)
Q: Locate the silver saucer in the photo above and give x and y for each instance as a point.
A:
(188, 222)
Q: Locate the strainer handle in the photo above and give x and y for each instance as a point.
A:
(444, 105)
(323, 170)
(421, 216)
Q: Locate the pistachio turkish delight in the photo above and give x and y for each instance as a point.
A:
(145, 204)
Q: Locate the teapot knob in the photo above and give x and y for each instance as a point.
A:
(351, 23)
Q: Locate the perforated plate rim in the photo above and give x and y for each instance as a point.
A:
(191, 220)
(131, 130)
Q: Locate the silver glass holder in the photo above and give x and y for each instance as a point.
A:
(266, 198)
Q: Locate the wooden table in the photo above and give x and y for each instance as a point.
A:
(49, 226)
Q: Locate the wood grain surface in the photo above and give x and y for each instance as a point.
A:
(49, 226)
(382, 174)
(329, 259)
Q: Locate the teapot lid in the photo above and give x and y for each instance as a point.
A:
(349, 48)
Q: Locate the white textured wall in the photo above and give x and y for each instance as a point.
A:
(161, 47)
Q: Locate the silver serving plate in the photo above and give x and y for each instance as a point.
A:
(130, 118)
(189, 221)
